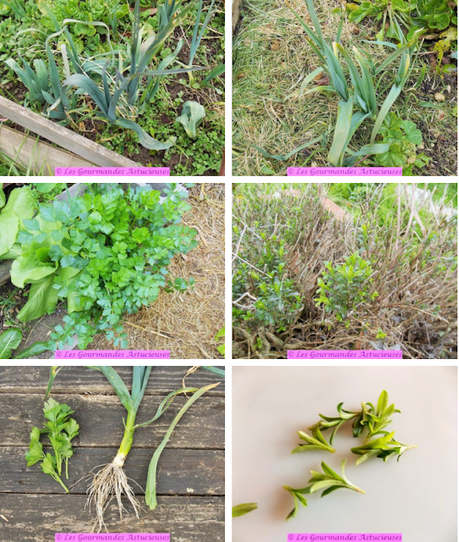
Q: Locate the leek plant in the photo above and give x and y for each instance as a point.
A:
(362, 94)
(111, 481)
(119, 90)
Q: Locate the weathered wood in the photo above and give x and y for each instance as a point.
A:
(180, 472)
(40, 157)
(87, 149)
(36, 518)
(237, 4)
(5, 270)
(101, 421)
(82, 380)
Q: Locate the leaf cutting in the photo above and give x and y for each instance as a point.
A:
(328, 481)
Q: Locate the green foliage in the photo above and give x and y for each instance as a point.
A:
(105, 253)
(345, 287)
(395, 12)
(242, 509)
(274, 295)
(56, 11)
(328, 480)
(192, 115)
(399, 16)
(21, 205)
(122, 87)
(370, 420)
(404, 140)
(17, 6)
(61, 429)
(436, 14)
(363, 93)
(9, 341)
(221, 336)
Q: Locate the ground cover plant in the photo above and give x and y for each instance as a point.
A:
(105, 254)
(130, 75)
(312, 88)
(377, 273)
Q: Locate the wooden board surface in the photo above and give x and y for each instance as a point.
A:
(202, 425)
(82, 380)
(81, 146)
(35, 518)
(190, 471)
(180, 472)
(40, 157)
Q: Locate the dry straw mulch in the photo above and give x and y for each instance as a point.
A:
(186, 322)
(415, 277)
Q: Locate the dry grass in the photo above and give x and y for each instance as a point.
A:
(415, 275)
(271, 58)
(186, 322)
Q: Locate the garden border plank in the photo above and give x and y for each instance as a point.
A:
(39, 155)
(87, 149)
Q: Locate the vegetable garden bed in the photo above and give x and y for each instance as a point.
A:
(184, 322)
(400, 88)
(191, 469)
(143, 81)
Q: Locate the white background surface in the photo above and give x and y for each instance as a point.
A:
(416, 496)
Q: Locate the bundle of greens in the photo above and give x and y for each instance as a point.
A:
(370, 419)
(377, 443)
(111, 482)
(106, 254)
(61, 430)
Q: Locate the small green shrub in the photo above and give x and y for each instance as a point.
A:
(274, 295)
(345, 287)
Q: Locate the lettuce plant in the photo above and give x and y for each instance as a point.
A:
(105, 254)
(21, 205)
(55, 12)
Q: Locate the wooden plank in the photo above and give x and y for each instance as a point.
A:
(180, 472)
(36, 518)
(237, 4)
(39, 156)
(87, 149)
(5, 270)
(80, 380)
(101, 421)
